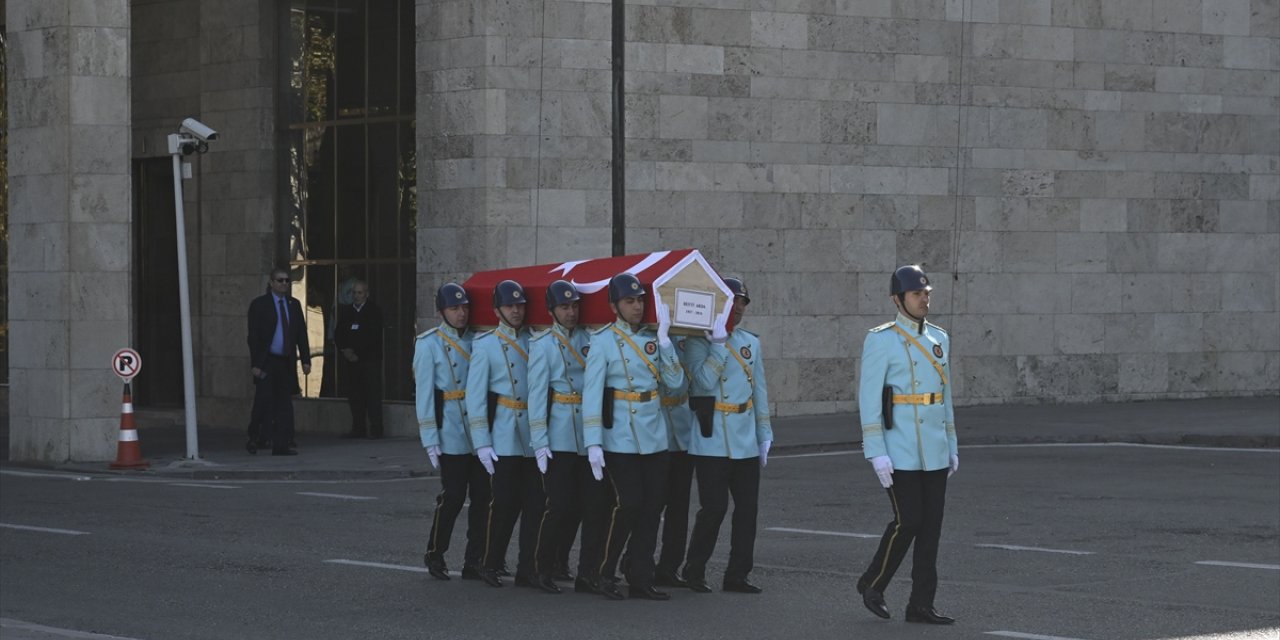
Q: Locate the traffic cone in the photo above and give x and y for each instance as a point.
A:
(128, 453)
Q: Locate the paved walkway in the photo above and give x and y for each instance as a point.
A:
(1232, 422)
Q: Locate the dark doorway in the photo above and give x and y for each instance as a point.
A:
(158, 328)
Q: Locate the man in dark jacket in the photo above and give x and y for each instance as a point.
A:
(277, 338)
(358, 337)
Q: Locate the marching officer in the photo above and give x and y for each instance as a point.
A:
(627, 364)
(440, 363)
(557, 360)
(498, 415)
(909, 436)
(731, 446)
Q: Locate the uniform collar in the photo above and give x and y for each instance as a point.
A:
(910, 324)
(559, 328)
(445, 327)
(509, 331)
(626, 328)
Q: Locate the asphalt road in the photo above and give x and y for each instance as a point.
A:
(1060, 541)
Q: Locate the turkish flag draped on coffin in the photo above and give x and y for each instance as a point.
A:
(683, 279)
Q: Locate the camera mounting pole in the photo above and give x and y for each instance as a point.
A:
(181, 144)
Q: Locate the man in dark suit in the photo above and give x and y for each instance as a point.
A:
(277, 338)
(358, 337)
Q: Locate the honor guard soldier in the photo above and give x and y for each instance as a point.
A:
(627, 364)
(557, 360)
(440, 362)
(731, 445)
(909, 436)
(498, 415)
(675, 515)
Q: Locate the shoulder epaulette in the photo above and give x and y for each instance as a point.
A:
(600, 330)
(753, 335)
(881, 327)
(930, 324)
(483, 334)
(428, 332)
(538, 334)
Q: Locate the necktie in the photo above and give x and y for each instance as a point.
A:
(289, 345)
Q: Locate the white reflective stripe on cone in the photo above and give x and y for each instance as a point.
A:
(127, 407)
(128, 435)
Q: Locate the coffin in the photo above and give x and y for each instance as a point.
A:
(683, 279)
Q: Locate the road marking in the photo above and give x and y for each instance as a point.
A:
(840, 534)
(378, 565)
(19, 625)
(1027, 636)
(815, 455)
(1178, 447)
(204, 486)
(1014, 547)
(31, 474)
(340, 496)
(1242, 565)
(23, 527)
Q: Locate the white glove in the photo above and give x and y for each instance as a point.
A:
(664, 322)
(433, 454)
(884, 470)
(487, 458)
(595, 455)
(543, 455)
(764, 452)
(955, 465)
(719, 333)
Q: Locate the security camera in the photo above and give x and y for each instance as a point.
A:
(199, 129)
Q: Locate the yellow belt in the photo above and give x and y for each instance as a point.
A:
(567, 398)
(454, 395)
(733, 408)
(674, 402)
(918, 398)
(512, 404)
(635, 396)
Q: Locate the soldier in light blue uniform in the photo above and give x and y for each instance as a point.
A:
(498, 386)
(730, 446)
(909, 436)
(440, 362)
(675, 515)
(631, 363)
(557, 359)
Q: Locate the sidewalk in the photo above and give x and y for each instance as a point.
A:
(1228, 422)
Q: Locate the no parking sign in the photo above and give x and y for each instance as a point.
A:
(126, 364)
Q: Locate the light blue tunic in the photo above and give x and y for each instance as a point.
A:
(923, 436)
(732, 373)
(680, 419)
(499, 363)
(557, 361)
(627, 361)
(440, 361)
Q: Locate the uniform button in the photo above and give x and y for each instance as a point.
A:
(511, 364)
(633, 411)
(518, 414)
(514, 381)
(627, 360)
(628, 378)
(453, 364)
(724, 379)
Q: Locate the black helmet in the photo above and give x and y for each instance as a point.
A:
(451, 294)
(561, 292)
(508, 292)
(739, 290)
(625, 285)
(908, 278)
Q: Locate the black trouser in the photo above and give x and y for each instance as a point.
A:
(364, 389)
(597, 510)
(272, 414)
(718, 478)
(918, 498)
(639, 484)
(460, 475)
(517, 494)
(675, 519)
(559, 524)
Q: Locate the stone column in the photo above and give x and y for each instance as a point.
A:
(70, 208)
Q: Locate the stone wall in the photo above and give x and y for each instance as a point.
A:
(1093, 185)
(69, 216)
